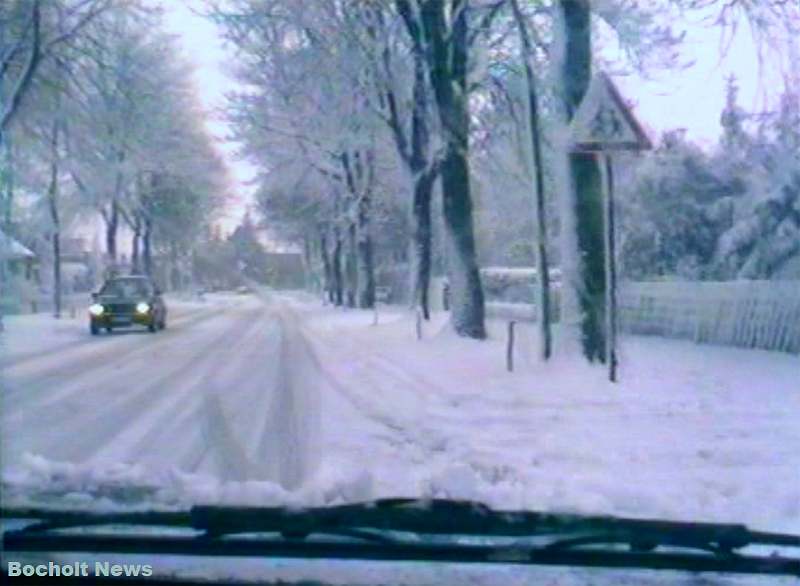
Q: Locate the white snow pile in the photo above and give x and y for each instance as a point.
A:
(121, 485)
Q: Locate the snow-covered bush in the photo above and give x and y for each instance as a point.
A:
(762, 241)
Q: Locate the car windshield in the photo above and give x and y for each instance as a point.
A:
(535, 256)
(127, 288)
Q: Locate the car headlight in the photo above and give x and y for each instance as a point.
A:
(142, 308)
(96, 309)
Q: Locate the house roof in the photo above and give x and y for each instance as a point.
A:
(10, 249)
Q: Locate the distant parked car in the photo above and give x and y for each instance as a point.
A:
(127, 301)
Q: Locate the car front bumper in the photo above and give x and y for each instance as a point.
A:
(121, 320)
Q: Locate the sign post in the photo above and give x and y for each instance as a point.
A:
(603, 125)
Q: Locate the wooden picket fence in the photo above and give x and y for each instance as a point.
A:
(750, 314)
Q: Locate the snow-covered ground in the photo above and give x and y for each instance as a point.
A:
(690, 432)
(280, 400)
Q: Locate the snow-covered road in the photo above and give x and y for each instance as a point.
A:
(260, 400)
(210, 395)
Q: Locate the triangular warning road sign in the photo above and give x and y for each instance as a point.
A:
(603, 121)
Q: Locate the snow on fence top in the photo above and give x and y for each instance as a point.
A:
(514, 284)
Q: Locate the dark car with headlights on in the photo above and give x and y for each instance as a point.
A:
(127, 301)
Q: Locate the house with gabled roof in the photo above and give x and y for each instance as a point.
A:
(17, 260)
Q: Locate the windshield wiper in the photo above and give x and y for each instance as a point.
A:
(414, 530)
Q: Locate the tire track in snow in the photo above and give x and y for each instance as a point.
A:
(428, 460)
(70, 438)
(295, 413)
(233, 379)
(170, 421)
(405, 430)
(287, 445)
(181, 318)
(259, 419)
(41, 376)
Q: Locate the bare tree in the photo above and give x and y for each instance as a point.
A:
(527, 55)
(410, 128)
(25, 52)
(32, 32)
(309, 104)
(444, 28)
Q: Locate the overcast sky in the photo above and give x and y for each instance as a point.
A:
(690, 99)
(203, 47)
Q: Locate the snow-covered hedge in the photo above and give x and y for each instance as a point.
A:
(511, 311)
(513, 284)
(752, 314)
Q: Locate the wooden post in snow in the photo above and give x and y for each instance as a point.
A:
(510, 347)
(611, 270)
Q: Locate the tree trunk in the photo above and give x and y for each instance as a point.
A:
(539, 195)
(366, 264)
(327, 271)
(135, 245)
(135, 270)
(351, 266)
(422, 241)
(415, 152)
(175, 273)
(7, 189)
(14, 95)
(147, 247)
(7, 180)
(424, 179)
(586, 184)
(338, 293)
(55, 219)
(113, 216)
(56, 274)
(308, 280)
(467, 304)
(448, 72)
(588, 194)
(112, 222)
(359, 168)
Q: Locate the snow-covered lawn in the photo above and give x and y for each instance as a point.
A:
(690, 432)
